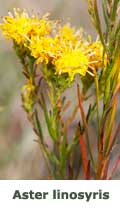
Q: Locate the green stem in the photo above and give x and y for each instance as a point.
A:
(46, 158)
(113, 16)
(98, 24)
(97, 104)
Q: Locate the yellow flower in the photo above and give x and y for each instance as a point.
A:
(20, 27)
(49, 42)
(65, 51)
(70, 37)
(44, 49)
(67, 31)
(72, 63)
(95, 55)
(67, 34)
(49, 48)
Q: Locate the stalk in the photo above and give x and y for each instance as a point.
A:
(85, 126)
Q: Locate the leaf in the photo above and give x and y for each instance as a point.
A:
(105, 169)
(50, 129)
(100, 154)
(114, 11)
(84, 157)
(38, 126)
(72, 144)
(85, 125)
(54, 159)
(109, 126)
(63, 147)
(105, 13)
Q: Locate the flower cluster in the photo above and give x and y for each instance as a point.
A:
(52, 54)
(50, 43)
(20, 27)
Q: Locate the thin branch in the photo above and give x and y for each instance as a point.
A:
(115, 165)
(85, 125)
(84, 157)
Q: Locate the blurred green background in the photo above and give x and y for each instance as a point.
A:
(20, 157)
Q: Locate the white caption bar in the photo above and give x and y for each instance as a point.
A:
(59, 195)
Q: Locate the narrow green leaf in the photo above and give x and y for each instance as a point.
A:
(39, 128)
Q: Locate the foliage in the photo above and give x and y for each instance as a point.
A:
(55, 53)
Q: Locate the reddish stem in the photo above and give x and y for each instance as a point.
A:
(115, 165)
(84, 157)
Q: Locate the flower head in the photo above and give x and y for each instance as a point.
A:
(95, 54)
(48, 42)
(44, 49)
(67, 35)
(20, 27)
(72, 62)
